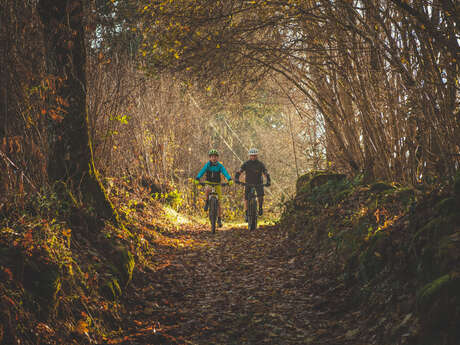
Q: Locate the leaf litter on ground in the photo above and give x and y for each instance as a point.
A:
(236, 287)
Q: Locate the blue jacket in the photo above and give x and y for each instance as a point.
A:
(213, 171)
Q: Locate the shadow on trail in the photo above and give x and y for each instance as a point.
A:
(233, 287)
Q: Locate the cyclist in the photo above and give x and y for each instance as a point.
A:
(253, 169)
(213, 168)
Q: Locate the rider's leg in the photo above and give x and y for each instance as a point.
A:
(206, 201)
(261, 201)
(219, 207)
(219, 218)
(260, 198)
(246, 197)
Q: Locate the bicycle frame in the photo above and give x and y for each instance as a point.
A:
(252, 204)
(213, 201)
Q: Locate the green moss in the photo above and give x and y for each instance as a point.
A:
(128, 264)
(123, 265)
(315, 178)
(111, 288)
(326, 178)
(447, 283)
(305, 189)
(342, 195)
(303, 183)
(371, 260)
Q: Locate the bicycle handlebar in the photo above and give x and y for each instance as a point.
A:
(251, 184)
(212, 184)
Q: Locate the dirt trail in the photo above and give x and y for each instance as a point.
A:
(234, 287)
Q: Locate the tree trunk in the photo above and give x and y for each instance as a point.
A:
(71, 161)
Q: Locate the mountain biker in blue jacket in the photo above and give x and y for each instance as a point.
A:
(253, 169)
(213, 168)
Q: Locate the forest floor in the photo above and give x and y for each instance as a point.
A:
(237, 287)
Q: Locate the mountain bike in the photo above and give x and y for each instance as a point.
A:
(252, 204)
(213, 203)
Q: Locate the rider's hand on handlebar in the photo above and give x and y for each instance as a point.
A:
(230, 182)
(196, 181)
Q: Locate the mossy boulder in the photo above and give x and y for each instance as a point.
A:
(325, 178)
(303, 182)
(312, 179)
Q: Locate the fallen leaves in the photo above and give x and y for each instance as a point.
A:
(253, 288)
(82, 327)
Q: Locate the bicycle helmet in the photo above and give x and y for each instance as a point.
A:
(253, 151)
(213, 152)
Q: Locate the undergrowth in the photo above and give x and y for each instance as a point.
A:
(64, 272)
(391, 243)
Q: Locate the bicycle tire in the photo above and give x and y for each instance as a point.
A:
(252, 214)
(213, 209)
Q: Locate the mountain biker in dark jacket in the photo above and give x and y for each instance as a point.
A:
(213, 168)
(253, 169)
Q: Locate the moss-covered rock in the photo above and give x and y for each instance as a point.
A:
(303, 182)
(325, 178)
(315, 178)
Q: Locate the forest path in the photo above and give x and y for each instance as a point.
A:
(234, 287)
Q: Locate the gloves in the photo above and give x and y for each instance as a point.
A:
(195, 181)
(230, 182)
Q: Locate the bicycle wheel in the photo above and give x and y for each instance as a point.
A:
(213, 209)
(252, 214)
